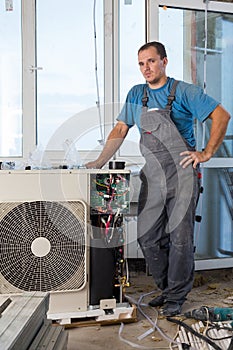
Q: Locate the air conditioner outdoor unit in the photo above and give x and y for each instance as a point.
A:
(45, 234)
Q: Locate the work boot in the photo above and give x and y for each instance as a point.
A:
(171, 308)
(157, 301)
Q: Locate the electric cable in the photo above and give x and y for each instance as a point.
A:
(127, 271)
(134, 345)
(190, 329)
(207, 323)
(154, 325)
(133, 301)
(101, 141)
(175, 336)
(218, 329)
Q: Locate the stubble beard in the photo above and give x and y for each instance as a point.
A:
(157, 80)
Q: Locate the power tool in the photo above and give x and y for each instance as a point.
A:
(213, 314)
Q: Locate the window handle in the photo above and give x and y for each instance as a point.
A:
(34, 68)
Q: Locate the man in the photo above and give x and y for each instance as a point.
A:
(164, 110)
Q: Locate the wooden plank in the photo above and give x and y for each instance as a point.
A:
(95, 322)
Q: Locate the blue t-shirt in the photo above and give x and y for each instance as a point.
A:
(190, 102)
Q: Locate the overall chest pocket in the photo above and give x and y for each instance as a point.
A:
(157, 132)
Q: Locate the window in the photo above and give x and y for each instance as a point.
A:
(11, 81)
(66, 84)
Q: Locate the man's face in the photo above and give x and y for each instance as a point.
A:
(152, 66)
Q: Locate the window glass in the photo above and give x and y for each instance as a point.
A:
(213, 235)
(11, 80)
(186, 48)
(66, 85)
(132, 37)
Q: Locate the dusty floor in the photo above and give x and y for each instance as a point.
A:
(211, 288)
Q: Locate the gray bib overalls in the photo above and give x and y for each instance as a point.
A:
(167, 203)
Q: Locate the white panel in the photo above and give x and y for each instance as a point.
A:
(210, 264)
(51, 185)
(133, 250)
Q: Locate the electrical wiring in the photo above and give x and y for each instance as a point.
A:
(207, 323)
(108, 224)
(100, 184)
(134, 345)
(127, 271)
(175, 336)
(198, 335)
(221, 339)
(154, 325)
(116, 194)
(134, 301)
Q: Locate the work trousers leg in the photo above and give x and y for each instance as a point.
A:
(166, 226)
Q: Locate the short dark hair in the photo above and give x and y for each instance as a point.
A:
(157, 45)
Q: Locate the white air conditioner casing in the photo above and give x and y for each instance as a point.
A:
(45, 232)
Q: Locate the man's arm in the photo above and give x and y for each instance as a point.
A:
(220, 118)
(113, 143)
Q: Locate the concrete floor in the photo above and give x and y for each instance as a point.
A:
(211, 288)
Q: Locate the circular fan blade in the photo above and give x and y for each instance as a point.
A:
(43, 246)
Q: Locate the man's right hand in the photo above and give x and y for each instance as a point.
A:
(93, 165)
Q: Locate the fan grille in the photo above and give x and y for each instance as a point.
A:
(43, 245)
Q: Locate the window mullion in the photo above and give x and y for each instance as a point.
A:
(29, 76)
(111, 69)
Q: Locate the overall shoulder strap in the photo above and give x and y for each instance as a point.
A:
(145, 97)
(171, 97)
